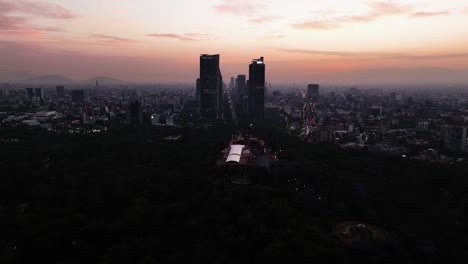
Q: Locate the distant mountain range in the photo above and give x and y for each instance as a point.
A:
(412, 76)
(53, 79)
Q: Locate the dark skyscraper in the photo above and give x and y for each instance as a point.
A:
(454, 137)
(29, 93)
(241, 95)
(198, 90)
(241, 86)
(232, 84)
(77, 96)
(221, 86)
(135, 114)
(4, 89)
(313, 92)
(256, 89)
(39, 94)
(60, 92)
(211, 86)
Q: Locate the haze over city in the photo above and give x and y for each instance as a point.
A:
(160, 41)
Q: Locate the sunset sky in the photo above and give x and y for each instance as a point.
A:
(161, 40)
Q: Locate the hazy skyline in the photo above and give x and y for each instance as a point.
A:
(302, 41)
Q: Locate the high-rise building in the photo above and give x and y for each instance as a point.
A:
(211, 86)
(4, 89)
(221, 88)
(38, 93)
(454, 137)
(241, 86)
(135, 114)
(77, 96)
(155, 120)
(29, 93)
(60, 92)
(256, 89)
(232, 84)
(241, 95)
(313, 92)
(198, 90)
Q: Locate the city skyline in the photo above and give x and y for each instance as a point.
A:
(159, 41)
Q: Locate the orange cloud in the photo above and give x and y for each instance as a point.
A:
(172, 36)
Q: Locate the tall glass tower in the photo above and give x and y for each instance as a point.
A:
(211, 86)
(256, 89)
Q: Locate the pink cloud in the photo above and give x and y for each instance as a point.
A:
(198, 36)
(386, 8)
(16, 16)
(50, 29)
(430, 14)
(255, 10)
(112, 40)
(377, 10)
(241, 7)
(264, 19)
(172, 36)
(183, 37)
(319, 25)
(35, 8)
(11, 23)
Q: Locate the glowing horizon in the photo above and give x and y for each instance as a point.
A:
(162, 40)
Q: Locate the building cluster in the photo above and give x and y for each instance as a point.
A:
(421, 124)
(248, 95)
(425, 123)
(89, 109)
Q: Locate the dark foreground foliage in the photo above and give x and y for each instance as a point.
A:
(128, 196)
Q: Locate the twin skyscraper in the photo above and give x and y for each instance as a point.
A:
(210, 89)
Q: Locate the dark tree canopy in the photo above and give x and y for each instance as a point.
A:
(129, 196)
